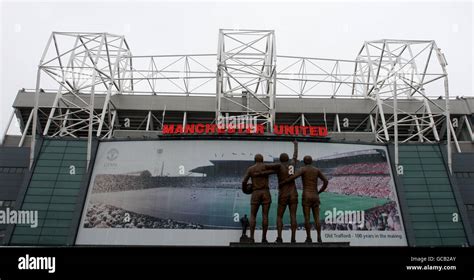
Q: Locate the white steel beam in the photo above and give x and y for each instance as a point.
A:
(8, 126)
(25, 130)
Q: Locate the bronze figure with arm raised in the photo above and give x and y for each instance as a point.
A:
(310, 199)
(287, 193)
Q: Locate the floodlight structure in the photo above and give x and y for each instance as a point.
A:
(87, 69)
(80, 65)
(396, 71)
(388, 72)
(312, 77)
(246, 70)
(178, 75)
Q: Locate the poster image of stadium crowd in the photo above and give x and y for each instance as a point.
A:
(188, 192)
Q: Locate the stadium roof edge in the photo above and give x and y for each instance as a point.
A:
(341, 105)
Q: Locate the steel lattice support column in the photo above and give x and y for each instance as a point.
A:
(81, 66)
(246, 76)
(395, 71)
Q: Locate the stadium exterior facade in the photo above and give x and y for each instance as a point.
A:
(103, 101)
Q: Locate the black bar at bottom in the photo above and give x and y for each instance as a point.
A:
(156, 261)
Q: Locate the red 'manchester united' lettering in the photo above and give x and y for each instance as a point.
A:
(168, 129)
(259, 129)
(200, 128)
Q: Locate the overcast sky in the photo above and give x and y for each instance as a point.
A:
(316, 29)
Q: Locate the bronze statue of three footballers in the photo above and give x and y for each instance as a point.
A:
(287, 193)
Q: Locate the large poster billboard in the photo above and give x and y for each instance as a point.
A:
(188, 192)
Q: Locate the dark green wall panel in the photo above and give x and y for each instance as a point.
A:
(429, 197)
(53, 192)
